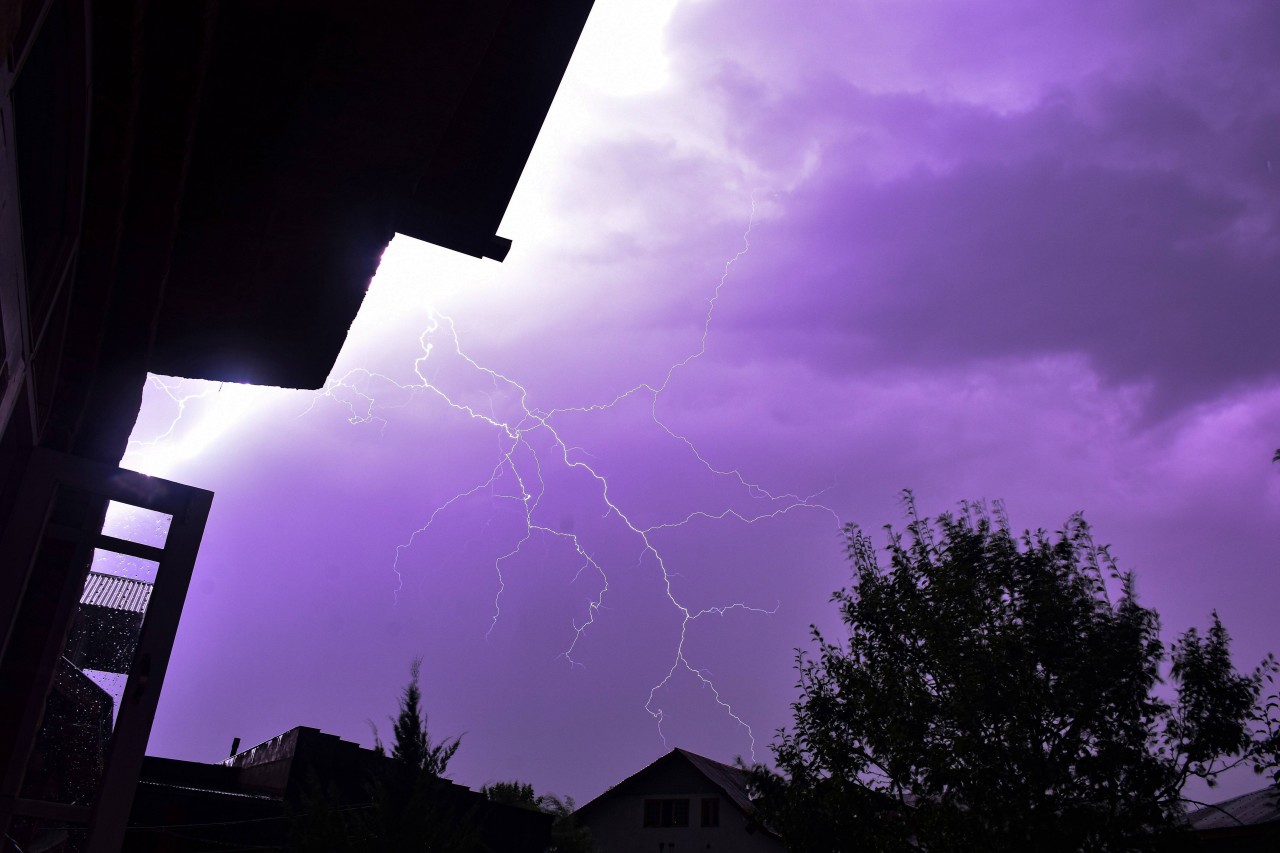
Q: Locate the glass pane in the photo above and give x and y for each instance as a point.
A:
(112, 683)
(144, 526)
(124, 566)
(71, 749)
(70, 752)
(105, 632)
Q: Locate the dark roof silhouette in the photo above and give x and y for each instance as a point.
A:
(246, 801)
(1252, 809)
(729, 779)
(732, 780)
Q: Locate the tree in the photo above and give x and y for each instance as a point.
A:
(1002, 693)
(411, 811)
(407, 807)
(566, 835)
(412, 748)
(513, 793)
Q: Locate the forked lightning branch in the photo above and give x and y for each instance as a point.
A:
(531, 442)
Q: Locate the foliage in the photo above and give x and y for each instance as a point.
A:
(320, 821)
(412, 747)
(566, 835)
(408, 807)
(513, 793)
(1003, 693)
(1266, 723)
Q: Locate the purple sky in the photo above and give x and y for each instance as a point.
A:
(996, 250)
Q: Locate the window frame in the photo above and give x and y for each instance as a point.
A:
(709, 816)
(666, 813)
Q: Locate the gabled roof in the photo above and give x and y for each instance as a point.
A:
(732, 780)
(1252, 809)
(729, 779)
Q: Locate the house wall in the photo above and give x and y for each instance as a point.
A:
(617, 825)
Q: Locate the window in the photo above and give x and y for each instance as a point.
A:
(710, 811)
(666, 813)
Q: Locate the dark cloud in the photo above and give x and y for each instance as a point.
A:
(1141, 271)
(1124, 211)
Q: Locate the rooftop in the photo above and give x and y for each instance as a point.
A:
(116, 593)
(1252, 809)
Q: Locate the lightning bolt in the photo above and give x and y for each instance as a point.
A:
(530, 438)
(172, 390)
(198, 420)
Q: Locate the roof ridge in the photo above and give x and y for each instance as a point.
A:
(1274, 788)
(693, 754)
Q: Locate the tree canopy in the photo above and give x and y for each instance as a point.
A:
(1003, 693)
(566, 835)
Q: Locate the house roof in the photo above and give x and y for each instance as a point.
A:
(1252, 809)
(732, 780)
(116, 593)
(729, 779)
(211, 792)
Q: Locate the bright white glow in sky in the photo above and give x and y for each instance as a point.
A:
(172, 437)
(623, 46)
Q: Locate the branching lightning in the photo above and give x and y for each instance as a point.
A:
(191, 430)
(174, 392)
(530, 439)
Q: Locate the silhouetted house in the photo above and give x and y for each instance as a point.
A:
(1249, 823)
(70, 753)
(249, 800)
(201, 188)
(681, 802)
(182, 806)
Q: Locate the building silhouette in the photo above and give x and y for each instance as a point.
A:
(681, 802)
(200, 188)
(257, 798)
